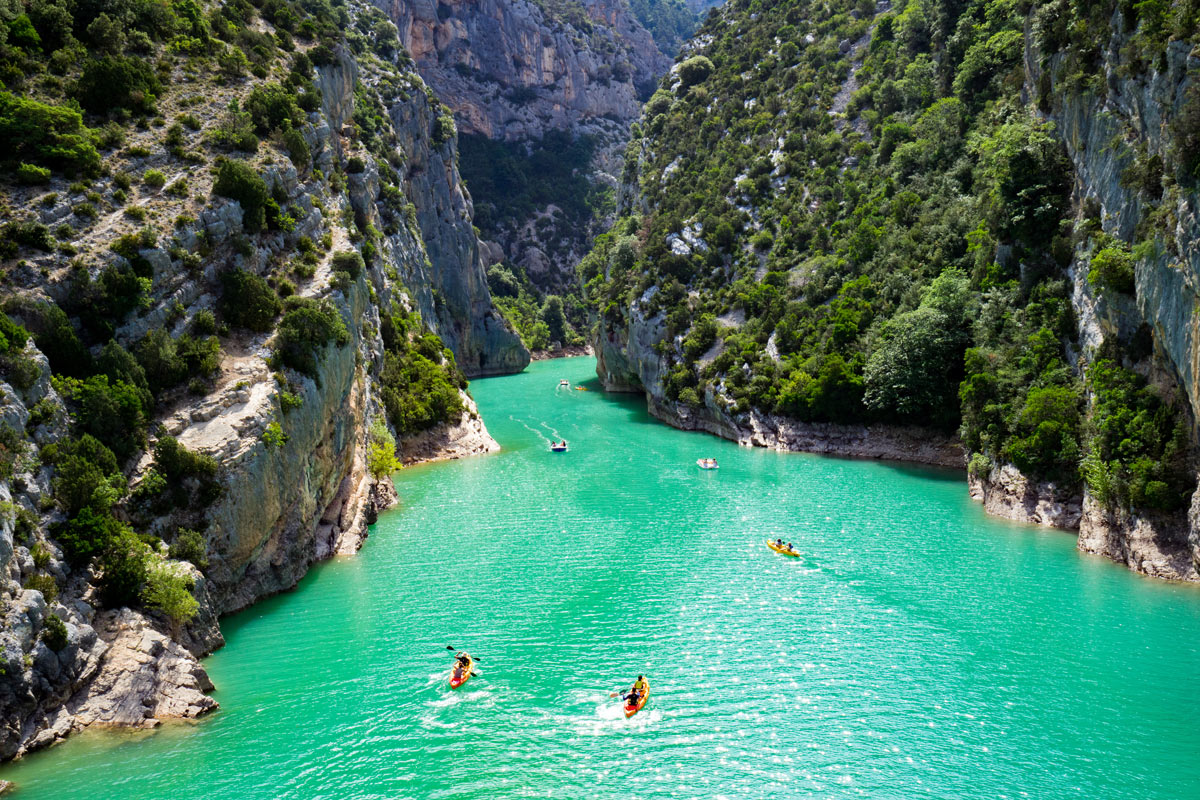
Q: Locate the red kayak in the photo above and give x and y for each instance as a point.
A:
(460, 675)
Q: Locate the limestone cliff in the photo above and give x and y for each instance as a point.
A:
(515, 69)
(1121, 111)
(289, 445)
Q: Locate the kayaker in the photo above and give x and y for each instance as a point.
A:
(779, 542)
(790, 547)
(461, 661)
(639, 686)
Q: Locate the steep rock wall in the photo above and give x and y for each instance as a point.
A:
(511, 70)
(287, 500)
(1102, 134)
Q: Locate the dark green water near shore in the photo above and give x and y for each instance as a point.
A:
(918, 648)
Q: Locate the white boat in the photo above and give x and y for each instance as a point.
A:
(707, 463)
(565, 382)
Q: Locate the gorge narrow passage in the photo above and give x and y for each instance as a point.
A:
(917, 649)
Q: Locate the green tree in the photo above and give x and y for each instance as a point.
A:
(247, 301)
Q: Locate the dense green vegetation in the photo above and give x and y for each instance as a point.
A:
(540, 319)
(669, 22)
(78, 82)
(420, 381)
(898, 252)
(513, 183)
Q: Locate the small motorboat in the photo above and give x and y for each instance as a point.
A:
(558, 447)
(630, 710)
(782, 549)
(460, 675)
(564, 382)
(707, 463)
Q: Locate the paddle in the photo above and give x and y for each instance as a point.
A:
(473, 658)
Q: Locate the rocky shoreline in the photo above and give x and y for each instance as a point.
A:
(883, 442)
(570, 351)
(140, 672)
(469, 437)
(1156, 545)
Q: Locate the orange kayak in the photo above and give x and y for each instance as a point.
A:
(459, 676)
(630, 710)
(784, 549)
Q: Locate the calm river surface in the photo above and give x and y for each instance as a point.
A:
(918, 649)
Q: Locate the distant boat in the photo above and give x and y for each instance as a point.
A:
(555, 447)
(707, 463)
(564, 382)
(581, 388)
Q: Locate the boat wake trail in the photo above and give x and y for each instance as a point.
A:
(554, 431)
(534, 431)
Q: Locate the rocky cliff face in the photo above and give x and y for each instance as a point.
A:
(451, 285)
(290, 448)
(1117, 134)
(1106, 133)
(515, 69)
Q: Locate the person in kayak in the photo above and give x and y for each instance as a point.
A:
(460, 664)
(779, 542)
(790, 547)
(635, 694)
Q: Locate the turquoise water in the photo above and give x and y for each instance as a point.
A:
(918, 649)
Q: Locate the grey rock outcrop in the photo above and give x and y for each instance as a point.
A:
(451, 287)
(538, 72)
(517, 70)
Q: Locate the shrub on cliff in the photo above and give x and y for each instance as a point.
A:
(177, 462)
(86, 475)
(113, 82)
(54, 634)
(1112, 268)
(88, 533)
(54, 335)
(238, 181)
(112, 411)
(272, 107)
(12, 336)
(694, 70)
(381, 454)
(247, 301)
(307, 327)
(168, 362)
(167, 590)
(123, 568)
(189, 545)
(348, 261)
(50, 136)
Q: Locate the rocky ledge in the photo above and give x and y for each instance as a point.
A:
(892, 443)
(468, 437)
(1005, 492)
(1154, 544)
(570, 351)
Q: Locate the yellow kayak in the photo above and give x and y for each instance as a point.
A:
(783, 549)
